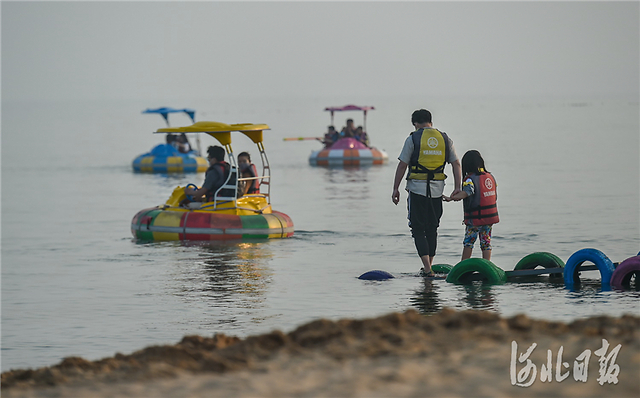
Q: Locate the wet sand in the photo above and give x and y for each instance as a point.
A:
(449, 354)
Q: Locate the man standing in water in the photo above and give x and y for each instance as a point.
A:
(426, 152)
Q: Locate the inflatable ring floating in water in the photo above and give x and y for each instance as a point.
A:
(572, 268)
(376, 275)
(462, 271)
(441, 268)
(545, 259)
(621, 276)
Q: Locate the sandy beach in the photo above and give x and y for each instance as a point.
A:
(449, 354)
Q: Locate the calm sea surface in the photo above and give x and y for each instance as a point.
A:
(75, 283)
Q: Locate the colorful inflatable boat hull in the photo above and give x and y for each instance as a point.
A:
(348, 152)
(156, 224)
(348, 157)
(164, 158)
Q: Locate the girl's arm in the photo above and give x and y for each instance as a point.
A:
(458, 196)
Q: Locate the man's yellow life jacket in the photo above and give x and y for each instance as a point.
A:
(430, 155)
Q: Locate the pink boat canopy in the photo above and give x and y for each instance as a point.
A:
(349, 108)
(364, 109)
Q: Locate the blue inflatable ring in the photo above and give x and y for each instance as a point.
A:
(376, 275)
(604, 264)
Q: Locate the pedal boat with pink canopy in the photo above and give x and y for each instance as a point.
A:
(348, 151)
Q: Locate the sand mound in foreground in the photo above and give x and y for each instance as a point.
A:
(451, 353)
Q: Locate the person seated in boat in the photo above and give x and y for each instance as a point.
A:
(331, 136)
(183, 143)
(361, 136)
(247, 170)
(171, 139)
(348, 130)
(214, 178)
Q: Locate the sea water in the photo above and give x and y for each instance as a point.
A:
(75, 282)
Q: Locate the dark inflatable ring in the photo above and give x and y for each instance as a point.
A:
(489, 270)
(624, 271)
(604, 264)
(190, 197)
(441, 268)
(547, 260)
(376, 275)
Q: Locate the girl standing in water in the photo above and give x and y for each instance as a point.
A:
(480, 204)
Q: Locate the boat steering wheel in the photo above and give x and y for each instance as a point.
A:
(190, 197)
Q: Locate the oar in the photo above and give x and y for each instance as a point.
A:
(301, 138)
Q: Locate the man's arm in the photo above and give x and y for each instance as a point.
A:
(400, 170)
(210, 181)
(196, 193)
(457, 177)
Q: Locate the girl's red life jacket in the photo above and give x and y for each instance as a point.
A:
(254, 188)
(481, 208)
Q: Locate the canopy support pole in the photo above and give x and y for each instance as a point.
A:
(365, 121)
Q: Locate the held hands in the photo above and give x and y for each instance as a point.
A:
(454, 196)
(450, 198)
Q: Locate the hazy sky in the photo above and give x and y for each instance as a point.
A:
(200, 50)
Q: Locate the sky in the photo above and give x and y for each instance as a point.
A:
(85, 50)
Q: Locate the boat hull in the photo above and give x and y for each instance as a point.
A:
(348, 157)
(177, 224)
(170, 164)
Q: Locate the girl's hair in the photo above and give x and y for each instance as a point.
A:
(472, 162)
(245, 154)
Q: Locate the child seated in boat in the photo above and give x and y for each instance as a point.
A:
(331, 136)
(183, 143)
(247, 170)
(171, 140)
(348, 130)
(361, 136)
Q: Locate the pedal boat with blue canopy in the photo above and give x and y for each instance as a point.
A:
(165, 158)
(348, 151)
(225, 218)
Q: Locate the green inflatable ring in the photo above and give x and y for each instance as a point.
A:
(441, 268)
(546, 259)
(461, 271)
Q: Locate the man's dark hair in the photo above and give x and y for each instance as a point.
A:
(421, 116)
(216, 152)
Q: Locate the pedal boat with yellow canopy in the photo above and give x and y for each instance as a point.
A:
(225, 218)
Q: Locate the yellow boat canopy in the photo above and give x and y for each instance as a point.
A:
(221, 131)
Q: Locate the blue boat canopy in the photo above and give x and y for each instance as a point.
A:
(166, 111)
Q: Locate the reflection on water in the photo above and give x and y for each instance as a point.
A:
(231, 275)
(475, 295)
(426, 299)
(479, 296)
(347, 183)
(346, 174)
